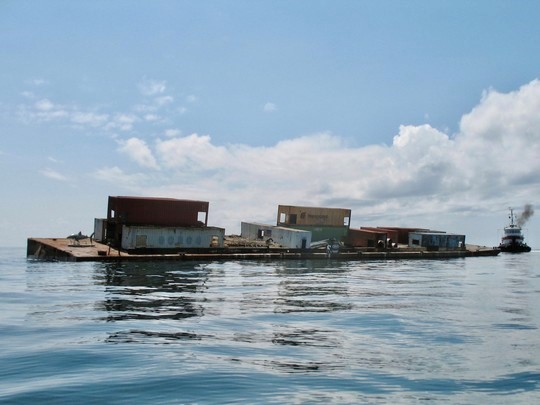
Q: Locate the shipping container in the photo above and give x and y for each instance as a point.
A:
(391, 234)
(157, 211)
(146, 211)
(313, 216)
(403, 233)
(436, 240)
(173, 238)
(286, 237)
(323, 223)
(100, 228)
(365, 238)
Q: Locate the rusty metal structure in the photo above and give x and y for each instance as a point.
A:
(403, 233)
(366, 238)
(151, 211)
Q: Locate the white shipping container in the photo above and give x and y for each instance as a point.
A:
(286, 237)
(153, 237)
(100, 226)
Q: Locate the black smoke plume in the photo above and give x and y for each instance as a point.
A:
(528, 211)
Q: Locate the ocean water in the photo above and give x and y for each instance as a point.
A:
(459, 331)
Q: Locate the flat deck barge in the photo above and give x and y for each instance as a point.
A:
(63, 249)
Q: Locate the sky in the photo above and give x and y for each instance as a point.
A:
(409, 113)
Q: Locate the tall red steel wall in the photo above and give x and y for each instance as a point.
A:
(156, 211)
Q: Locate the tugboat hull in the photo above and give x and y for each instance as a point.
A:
(512, 241)
(515, 249)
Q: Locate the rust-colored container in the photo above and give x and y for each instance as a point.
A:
(157, 211)
(392, 234)
(403, 233)
(365, 238)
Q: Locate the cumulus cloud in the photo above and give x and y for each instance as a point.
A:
(164, 100)
(149, 87)
(88, 118)
(269, 107)
(117, 176)
(44, 105)
(53, 174)
(490, 162)
(155, 109)
(137, 150)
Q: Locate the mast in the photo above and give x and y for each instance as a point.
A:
(511, 217)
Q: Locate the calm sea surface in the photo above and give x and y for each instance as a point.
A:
(460, 331)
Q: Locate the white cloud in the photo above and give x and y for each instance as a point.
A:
(193, 151)
(172, 132)
(44, 105)
(123, 122)
(88, 118)
(149, 87)
(117, 176)
(53, 174)
(28, 94)
(490, 163)
(152, 117)
(269, 107)
(138, 151)
(164, 100)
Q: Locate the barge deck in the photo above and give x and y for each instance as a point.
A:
(63, 249)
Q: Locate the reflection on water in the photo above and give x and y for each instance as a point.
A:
(151, 291)
(314, 331)
(311, 286)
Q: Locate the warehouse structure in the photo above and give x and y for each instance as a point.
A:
(157, 223)
(285, 237)
(323, 223)
(436, 240)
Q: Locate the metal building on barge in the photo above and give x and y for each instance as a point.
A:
(157, 223)
(323, 223)
(285, 237)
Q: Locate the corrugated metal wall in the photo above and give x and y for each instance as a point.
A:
(393, 234)
(157, 211)
(286, 237)
(436, 240)
(403, 233)
(364, 238)
(100, 226)
(313, 216)
(148, 237)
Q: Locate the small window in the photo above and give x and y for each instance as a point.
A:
(282, 217)
(416, 241)
(346, 221)
(201, 217)
(292, 219)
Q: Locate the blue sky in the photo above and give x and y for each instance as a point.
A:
(411, 113)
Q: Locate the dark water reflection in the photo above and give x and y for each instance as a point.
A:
(151, 291)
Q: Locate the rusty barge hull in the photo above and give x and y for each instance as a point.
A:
(60, 249)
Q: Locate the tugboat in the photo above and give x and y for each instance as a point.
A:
(512, 241)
